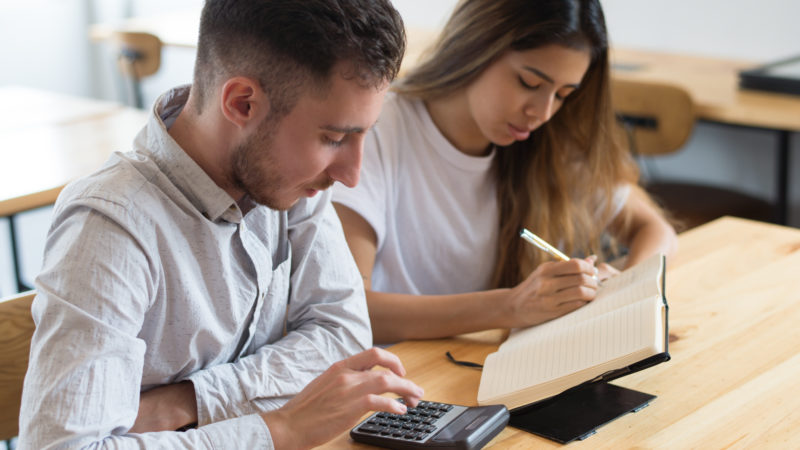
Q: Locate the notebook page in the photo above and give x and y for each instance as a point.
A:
(592, 343)
(641, 281)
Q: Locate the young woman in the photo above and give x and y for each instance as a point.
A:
(506, 124)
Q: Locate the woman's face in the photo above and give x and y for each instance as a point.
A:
(523, 89)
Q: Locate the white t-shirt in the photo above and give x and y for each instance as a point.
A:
(433, 208)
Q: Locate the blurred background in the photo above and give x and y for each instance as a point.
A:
(45, 44)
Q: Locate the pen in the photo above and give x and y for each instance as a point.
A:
(542, 244)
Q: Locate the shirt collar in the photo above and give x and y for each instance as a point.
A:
(211, 200)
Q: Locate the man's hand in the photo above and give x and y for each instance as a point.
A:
(334, 401)
(166, 408)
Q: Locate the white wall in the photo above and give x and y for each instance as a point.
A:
(739, 29)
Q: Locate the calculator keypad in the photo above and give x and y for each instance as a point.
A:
(417, 424)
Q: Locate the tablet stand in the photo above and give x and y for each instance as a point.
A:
(577, 413)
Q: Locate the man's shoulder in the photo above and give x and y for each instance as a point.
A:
(121, 181)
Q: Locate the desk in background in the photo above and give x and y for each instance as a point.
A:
(734, 340)
(713, 84)
(48, 140)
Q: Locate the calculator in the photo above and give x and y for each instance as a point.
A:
(433, 425)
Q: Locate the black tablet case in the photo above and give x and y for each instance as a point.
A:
(767, 77)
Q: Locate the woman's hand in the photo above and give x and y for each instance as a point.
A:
(552, 290)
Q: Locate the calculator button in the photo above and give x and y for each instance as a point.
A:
(369, 428)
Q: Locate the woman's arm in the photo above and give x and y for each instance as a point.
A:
(552, 290)
(648, 232)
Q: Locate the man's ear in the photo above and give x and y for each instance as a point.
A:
(243, 102)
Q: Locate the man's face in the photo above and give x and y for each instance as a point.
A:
(319, 142)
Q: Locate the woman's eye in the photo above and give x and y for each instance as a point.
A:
(563, 95)
(528, 86)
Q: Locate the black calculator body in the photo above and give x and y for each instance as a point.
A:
(433, 425)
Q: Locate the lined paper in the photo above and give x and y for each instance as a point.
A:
(621, 326)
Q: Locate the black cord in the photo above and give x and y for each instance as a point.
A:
(463, 363)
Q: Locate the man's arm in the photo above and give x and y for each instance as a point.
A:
(85, 371)
(326, 321)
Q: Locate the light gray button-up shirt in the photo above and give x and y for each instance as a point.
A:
(152, 275)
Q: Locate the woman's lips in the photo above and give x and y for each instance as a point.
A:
(519, 134)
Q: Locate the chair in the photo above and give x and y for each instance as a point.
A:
(16, 330)
(138, 56)
(657, 119)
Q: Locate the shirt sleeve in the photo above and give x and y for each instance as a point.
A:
(371, 196)
(326, 321)
(85, 371)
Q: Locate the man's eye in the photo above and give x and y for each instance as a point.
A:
(333, 142)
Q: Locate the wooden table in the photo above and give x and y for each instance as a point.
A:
(735, 345)
(713, 84)
(48, 140)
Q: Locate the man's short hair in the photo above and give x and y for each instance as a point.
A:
(285, 44)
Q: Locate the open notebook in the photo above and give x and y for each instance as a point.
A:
(623, 330)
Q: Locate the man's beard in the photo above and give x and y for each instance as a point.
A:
(254, 170)
(256, 173)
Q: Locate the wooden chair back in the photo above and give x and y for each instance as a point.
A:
(16, 331)
(658, 118)
(139, 54)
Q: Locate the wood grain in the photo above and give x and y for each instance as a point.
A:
(732, 380)
(16, 330)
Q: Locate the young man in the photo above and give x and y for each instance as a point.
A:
(203, 279)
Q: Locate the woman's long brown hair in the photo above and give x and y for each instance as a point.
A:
(560, 182)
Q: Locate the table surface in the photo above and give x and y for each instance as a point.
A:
(712, 82)
(734, 341)
(51, 139)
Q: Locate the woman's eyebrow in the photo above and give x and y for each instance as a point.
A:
(547, 77)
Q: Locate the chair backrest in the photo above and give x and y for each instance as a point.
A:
(658, 118)
(139, 54)
(16, 330)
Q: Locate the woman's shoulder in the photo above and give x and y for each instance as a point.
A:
(401, 111)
